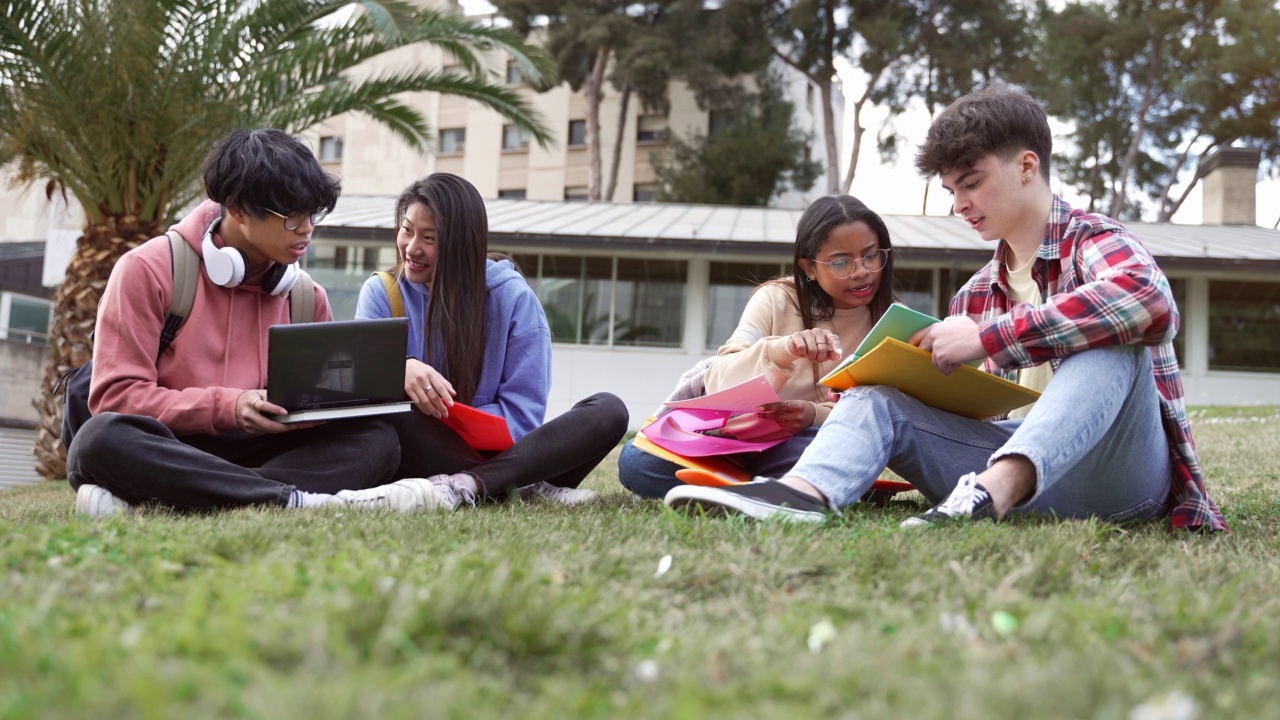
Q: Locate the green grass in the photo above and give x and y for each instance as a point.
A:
(533, 611)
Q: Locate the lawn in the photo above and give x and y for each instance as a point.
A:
(533, 611)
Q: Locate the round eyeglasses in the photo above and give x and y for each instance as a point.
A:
(294, 221)
(844, 267)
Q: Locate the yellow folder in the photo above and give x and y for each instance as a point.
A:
(967, 391)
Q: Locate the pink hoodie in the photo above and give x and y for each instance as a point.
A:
(219, 353)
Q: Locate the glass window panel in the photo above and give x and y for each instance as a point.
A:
(453, 141)
(1179, 286)
(28, 319)
(512, 194)
(514, 138)
(730, 286)
(1244, 326)
(650, 302)
(915, 289)
(651, 128)
(577, 133)
(342, 270)
(527, 263)
(575, 296)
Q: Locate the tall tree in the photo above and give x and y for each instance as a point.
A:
(939, 50)
(1162, 83)
(582, 37)
(757, 155)
(115, 102)
(808, 36)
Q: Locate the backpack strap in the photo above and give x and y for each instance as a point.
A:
(302, 299)
(393, 294)
(186, 278)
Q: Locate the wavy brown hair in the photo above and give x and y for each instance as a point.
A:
(455, 322)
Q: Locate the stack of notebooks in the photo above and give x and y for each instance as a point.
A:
(885, 357)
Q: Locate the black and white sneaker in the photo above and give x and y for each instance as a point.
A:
(968, 502)
(763, 499)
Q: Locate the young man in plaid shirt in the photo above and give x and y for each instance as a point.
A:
(1071, 305)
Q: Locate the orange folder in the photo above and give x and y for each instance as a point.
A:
(967, 391)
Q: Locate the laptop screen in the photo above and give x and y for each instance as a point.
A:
(348, 363)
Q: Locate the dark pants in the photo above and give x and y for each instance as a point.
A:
(649, 476)
(139, 460)
(561, 452)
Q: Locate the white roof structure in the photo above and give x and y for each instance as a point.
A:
(741, 230)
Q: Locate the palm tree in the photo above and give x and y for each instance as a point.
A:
(115, 103)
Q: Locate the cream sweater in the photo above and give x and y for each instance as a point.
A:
(771, 313)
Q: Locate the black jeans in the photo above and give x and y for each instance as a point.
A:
(561, 452)
(139, 460)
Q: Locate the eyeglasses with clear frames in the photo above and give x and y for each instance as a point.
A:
(843, 268)
(294, 221)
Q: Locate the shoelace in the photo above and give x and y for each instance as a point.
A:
(963, 499)
(456, 495)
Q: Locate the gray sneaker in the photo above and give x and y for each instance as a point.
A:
(453, 490)
(407, 496)
(547, 492)
(96, 501)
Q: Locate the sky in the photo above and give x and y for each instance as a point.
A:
(896, 189)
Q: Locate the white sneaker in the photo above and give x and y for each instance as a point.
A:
(406, 496)
(453, 490)
(556, 494)
(97, 501)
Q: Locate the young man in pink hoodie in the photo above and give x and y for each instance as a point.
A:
(193, 429)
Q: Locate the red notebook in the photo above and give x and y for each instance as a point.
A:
(482, 431)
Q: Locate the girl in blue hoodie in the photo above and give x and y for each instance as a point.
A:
(478, 335)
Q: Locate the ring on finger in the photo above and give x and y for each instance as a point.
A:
(431, 388)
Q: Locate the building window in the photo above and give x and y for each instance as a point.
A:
(24, 318)
(577, 133)
(730, 287)
(651, 129)
(717, 121)
(1244, 326)
(609, 301)
(514, 76)
(645, 193)
(576, 193)
(342, 269)
(513, 194)
(1179, 287)
(331, 148)
(453, 141)
(514, 138)
(914, 287)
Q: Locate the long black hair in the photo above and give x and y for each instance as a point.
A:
(454, 324)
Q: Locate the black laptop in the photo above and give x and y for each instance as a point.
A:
(342, 369)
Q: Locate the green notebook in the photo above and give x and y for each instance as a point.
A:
(898, 322)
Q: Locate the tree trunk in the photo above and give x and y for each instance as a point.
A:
(75, 306)
(858, 132)
(617, 144)
(1169, 206)
(594, 90)
(825, 81)
(1149, 96)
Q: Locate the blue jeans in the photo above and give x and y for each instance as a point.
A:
(1095, 437)
(650, 476)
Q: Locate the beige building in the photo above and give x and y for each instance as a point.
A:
(502, 162)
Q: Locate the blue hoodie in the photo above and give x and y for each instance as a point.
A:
(516, 377)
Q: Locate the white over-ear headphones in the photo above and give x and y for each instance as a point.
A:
(226, 266)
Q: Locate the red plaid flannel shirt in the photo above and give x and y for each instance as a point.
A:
(1100, 287)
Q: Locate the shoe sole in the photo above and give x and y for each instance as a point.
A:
(713, 501)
